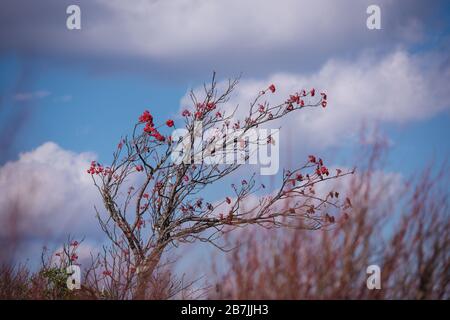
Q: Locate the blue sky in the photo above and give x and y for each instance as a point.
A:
(85, 111)
(100, 106)
(83, 90)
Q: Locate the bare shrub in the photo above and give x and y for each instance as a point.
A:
(405, 231)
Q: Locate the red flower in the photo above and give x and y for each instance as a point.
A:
(73, 257)
(139, 168)
(228, 200)
(186, 113)
(324, 95)
(159, 137)
(312, 92)
(272, 88)
(198, 115)
(324, 170)
(312, 159)
(146, 117)
(145, 195)
(149, 128)
(169, 123)
(294, 99)
(95, 168)
(218, 114)
(91, 170)
(186, 178)
(107, 273)
(140, 223)
(324, 103)
(155, 134)
(74, 243)
(211, 106)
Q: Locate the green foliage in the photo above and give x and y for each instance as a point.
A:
(56, 283)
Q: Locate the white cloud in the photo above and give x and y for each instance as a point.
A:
(46, 193)
(28, 96)
(398, 88)
(230, 36)
(184, 27)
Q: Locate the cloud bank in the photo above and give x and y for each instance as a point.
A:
(230, 36)
(397, 88)
(47, 194)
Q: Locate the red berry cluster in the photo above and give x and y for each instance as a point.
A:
(146, 117)
(149, 128)
(107, 273)
(271, 88)
(324, 99)
(95, 168)
(201, 109)
(321, 170)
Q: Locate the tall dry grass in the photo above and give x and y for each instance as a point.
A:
(109, 275)
(401, 226)
(404, 228)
